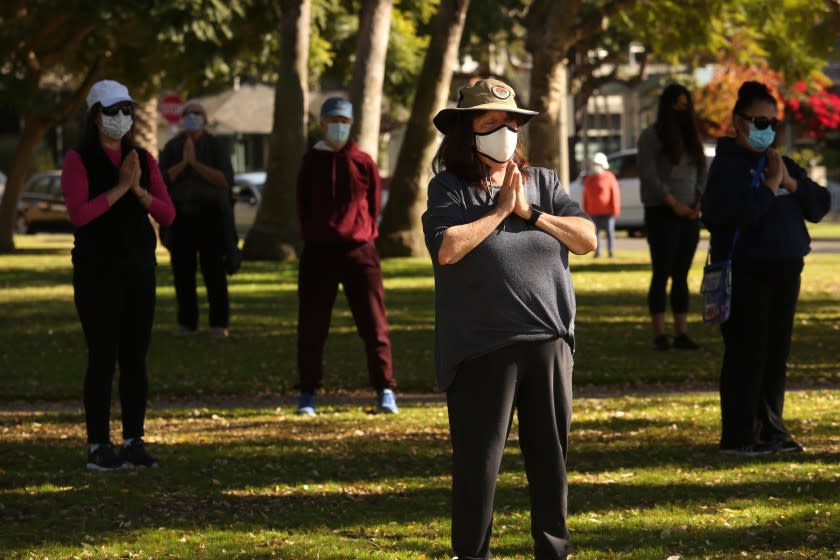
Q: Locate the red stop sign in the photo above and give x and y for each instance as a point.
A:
(170, 107)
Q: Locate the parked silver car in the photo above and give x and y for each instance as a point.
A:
(247, 195)
(41, 206)
(625, 167)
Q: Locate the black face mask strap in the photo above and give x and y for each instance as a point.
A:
(498, 128)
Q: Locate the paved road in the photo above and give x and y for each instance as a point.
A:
(624, 243)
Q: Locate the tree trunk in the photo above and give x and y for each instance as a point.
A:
(145, 125)
(549, 37)
(401, 233)
(546, 97)
(369, 73)
(275, 235)
(34, 130)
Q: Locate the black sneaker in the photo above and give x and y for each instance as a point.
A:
(104, 459)
(660, 343)
(750, 450)
(135, 455)
(788, 445)
(682, 342)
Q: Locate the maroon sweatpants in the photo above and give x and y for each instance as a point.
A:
(357, 268)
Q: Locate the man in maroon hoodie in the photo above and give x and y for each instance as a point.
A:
(338, 202)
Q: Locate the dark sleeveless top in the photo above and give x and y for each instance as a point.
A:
(123, 235)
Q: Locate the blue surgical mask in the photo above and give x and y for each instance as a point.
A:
(337, 132)
(192, 122)
(761, 139)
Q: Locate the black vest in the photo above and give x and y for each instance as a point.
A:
(123, 234)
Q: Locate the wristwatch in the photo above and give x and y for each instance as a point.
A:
(535, 213)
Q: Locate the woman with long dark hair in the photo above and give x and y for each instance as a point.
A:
(499, 233)
(755, 207)
(110, 187)
(672, 173)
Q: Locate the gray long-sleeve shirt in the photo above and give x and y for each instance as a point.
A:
(659, 177)
(514, 286)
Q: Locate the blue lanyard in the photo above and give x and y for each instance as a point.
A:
(756, 179)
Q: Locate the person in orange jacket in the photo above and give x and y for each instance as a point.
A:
(602, 200)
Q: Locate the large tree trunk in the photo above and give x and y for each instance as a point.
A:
(145, 125)
(401, 233)
(34, 130)
(549, 37)
(274, 235)
(369, 73)
(547, 97)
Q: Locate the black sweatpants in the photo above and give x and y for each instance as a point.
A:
(756, 346)
(116, 306)
(199, 240)
(535, 378)
(672, 241)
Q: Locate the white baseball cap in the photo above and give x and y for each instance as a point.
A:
(601, 159)
(107, 93)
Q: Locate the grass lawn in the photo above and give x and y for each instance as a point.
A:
(242, 477)
(646, 482)
(42, 352)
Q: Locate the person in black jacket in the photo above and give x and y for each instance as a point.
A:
(199, 174)
(758, 200)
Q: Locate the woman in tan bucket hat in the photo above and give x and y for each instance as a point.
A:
(499, 233)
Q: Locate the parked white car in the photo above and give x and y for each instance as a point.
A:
(623, 164)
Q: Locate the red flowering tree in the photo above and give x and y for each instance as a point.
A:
(814, 108)
(714, 102)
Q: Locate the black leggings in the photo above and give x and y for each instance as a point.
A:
(672, 241)
(116, 306)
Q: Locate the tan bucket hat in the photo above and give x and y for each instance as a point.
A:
(484, 95)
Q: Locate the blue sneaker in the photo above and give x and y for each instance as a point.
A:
(387, 402)
(306, 404)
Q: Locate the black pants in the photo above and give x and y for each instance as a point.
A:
(535, 378)
(756, 346)
(672, 241)
(116, 307)
(199, 239)
(357, 268)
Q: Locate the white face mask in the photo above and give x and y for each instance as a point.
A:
(117, 126)
(498, 144)
(597, 169)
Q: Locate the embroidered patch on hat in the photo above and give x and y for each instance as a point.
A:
(501, 92)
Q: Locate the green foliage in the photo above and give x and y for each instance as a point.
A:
(335, 25)
(404, 61)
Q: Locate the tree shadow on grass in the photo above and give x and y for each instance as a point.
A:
(259, 478)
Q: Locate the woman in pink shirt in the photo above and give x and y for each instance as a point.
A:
(110, 187)
(602, 199)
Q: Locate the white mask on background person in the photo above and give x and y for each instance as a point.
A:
(192, 122)
(116, 126)
(337, 132)
(498, 144)
(597, 169)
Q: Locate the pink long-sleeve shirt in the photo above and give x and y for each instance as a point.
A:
(74, 184)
